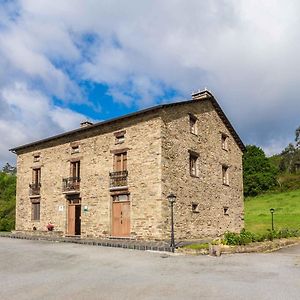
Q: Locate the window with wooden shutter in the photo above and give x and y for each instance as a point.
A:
(35, 211)
(36, 176)
(120, 162)
(75, 169)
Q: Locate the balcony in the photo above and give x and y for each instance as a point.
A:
(118, 180)
(71, 185)
(34, 189)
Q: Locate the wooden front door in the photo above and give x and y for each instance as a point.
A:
(121, 218)
(74, 219)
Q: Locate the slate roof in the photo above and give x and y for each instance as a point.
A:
(203, 96)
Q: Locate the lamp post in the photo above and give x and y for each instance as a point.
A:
(272, 212)
(172, 200)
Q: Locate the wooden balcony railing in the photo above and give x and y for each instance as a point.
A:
(71, 184)
(34, 188)
(118, 179)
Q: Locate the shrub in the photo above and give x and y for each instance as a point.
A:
(246, 237)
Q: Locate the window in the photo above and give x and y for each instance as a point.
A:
(36, 176)
(75, 170)
(121, 197)
(120, 162)
(195, 208)
(224, 140)
(36, 158)
(75, 149)
(35, 210)
(225, 209)
(193, 124)
(225, 176)
(193, 164)
(35, 186)
(120, 137)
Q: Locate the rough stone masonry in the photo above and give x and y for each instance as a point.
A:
(188, 148)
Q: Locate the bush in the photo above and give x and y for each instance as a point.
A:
(243, 238)
(246, 237)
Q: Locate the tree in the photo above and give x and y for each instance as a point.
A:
(259, 173)
(7, 201)
(287, 158)
(8, 169)
(297, 137)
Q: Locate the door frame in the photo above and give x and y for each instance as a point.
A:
(73, 202)
(111, 212)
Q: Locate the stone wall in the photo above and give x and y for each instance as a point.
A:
(207, 190)
(143, 140)
(158, 144)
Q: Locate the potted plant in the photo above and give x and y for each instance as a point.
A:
(50, 226)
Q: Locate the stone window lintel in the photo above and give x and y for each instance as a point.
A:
(119, 133)
(194, 153)
(118, 151)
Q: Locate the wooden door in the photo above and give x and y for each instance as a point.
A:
(74, 219)
(71, 219)
(121, 219)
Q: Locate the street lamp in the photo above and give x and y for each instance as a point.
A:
(172, 200)
(272, 212)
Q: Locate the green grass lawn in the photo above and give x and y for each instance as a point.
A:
(286, 215)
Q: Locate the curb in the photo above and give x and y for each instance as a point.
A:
(101, 243)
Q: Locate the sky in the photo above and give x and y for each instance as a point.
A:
(63, 62)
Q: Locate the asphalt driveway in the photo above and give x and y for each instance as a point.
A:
(48, 270)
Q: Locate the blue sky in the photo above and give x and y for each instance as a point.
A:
(62, 62)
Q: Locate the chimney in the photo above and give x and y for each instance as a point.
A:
(201, 94)
(85, 124)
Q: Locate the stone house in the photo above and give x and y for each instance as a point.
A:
(112, 179)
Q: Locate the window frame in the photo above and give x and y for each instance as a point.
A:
(115, 198)
(75, 149)
(122, 159)
(195, 207)
(225, 175)
(36, 176)
(75, 169)
(36, 158)
(36, 210)
(193, 163)
(193, 124)
(120, 137)
(224, 141)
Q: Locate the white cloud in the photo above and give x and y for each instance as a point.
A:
(27, 115)
(244, 51)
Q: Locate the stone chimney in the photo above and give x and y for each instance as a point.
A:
(85, 124)
(201, 94)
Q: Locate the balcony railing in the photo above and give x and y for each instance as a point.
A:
(71, 184)
(34, 188)
(118, 179)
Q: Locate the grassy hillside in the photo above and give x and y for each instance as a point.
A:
(287, 211)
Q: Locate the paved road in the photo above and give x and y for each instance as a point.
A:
(47, 270)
